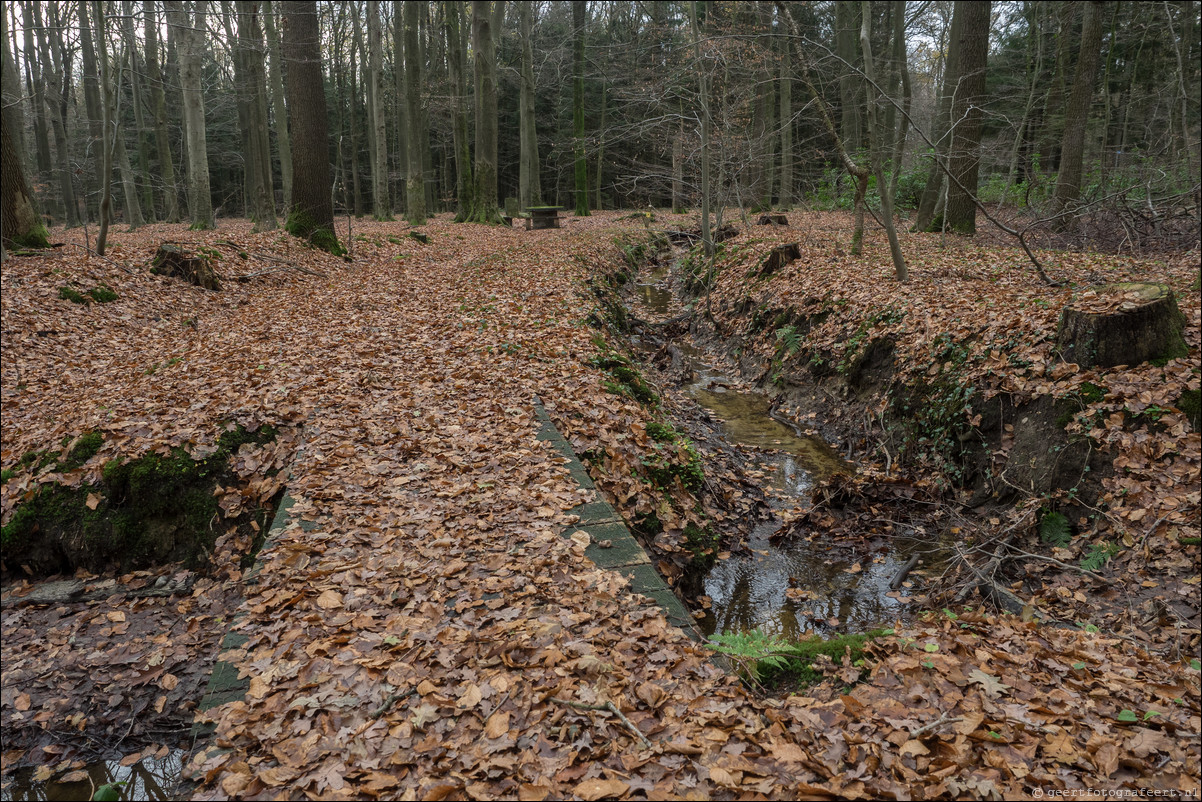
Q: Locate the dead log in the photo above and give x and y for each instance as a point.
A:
(171, 260)
(75, 591)
(778, 257)
(1122, 324)
(772, 219)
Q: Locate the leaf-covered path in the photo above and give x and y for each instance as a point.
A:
(422, 641)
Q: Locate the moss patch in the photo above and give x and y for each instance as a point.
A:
(1190, 403)
(301, 225)
(158, 508)
(101, 295)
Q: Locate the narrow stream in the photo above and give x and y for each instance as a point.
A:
(797, 588)
(149, 778)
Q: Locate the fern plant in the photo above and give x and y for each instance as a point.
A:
(754, 651)
(789, 338)
(1099, 555)
(1055, 529)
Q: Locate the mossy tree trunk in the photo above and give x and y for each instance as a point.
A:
(529, 191)
(487, 18)
(22, 227)
(312, 214)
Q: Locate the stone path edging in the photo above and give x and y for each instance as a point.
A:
(602, 523)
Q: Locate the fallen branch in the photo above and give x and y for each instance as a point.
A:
(901, 575)
(611, 708)
(72, 591)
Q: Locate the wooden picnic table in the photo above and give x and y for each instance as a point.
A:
(544, 216)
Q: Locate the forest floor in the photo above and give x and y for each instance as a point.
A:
(428, 638)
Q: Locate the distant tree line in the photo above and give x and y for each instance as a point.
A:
(194, 109)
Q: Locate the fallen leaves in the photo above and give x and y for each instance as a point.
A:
(427, 512)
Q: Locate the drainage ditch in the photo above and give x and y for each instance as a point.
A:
(794, 587)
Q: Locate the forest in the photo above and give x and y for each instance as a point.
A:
(591, 399)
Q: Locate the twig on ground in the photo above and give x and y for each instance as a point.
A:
(611, 708)
(390, 700)
(128, 270)
(939, 722)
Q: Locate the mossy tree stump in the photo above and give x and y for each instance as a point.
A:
(1130, 323)
(778, 257)
(171, 260)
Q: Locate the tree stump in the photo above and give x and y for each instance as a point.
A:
(773, 219)
(171, 260)
(1121, 324)
(778, 257)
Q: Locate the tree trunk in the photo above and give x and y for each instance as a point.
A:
(252, 102)
(456, 50)
(108, 132)
(19, 221)
(279, 113)
(703, 94)
(858, 172)
(35, 88)
(678, 172)
(402, 92)
(190, 31)
(941, 127)
(965, 159)
(10, 97)
(415, 190)
(158, 103)
(312, 214)
(579, 18)
(877, 137)
(600, 145)
(902, 64)
(484, 22)
(785, 200)
(381, 209)
(137, 72)
(353, 115)
(91, 88)
(1076, 114)
(529, 192)
(846, 23)
(56, 67)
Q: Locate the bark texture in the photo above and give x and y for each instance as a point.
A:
(312, 214)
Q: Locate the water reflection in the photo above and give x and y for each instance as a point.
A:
(653, 294)
(152, 778)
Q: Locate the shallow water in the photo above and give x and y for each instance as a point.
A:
(150, 778)
(798, 587)
(653, 292)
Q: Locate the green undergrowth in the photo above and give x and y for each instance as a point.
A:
(101, 294)
(625, 378)
(157, 508)
(775, 663)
